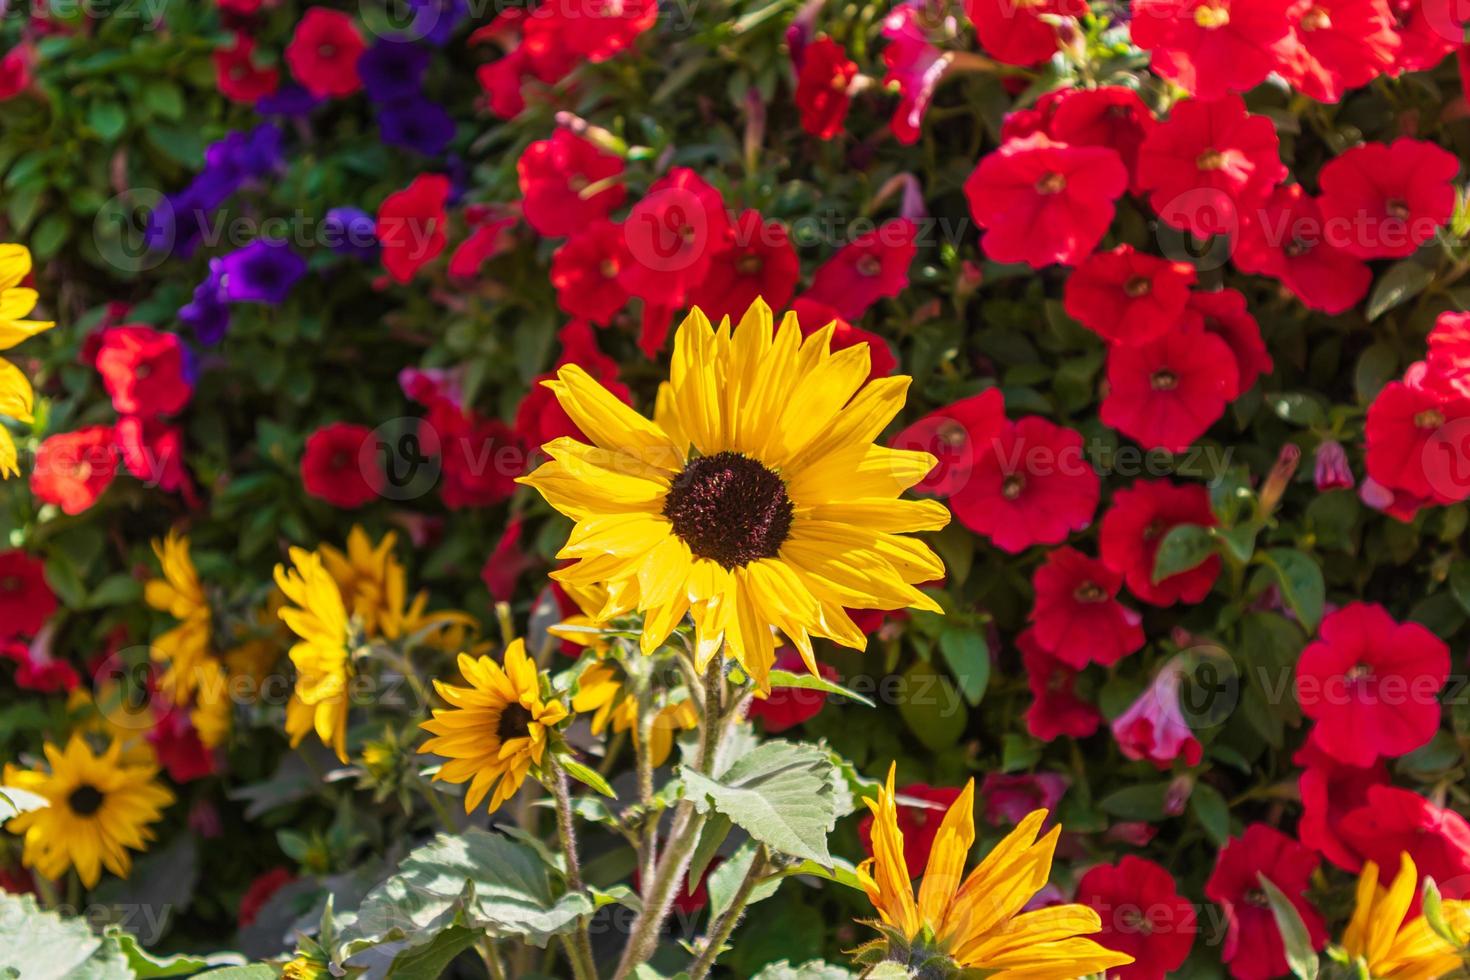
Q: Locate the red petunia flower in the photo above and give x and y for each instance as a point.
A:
(758, 262)
(1167, 393)
(956, 435)
(584, 272)
(540, 417)
(1253, 947)
(1055, 710)
(918, 824)
(598, 29)
(1285, 237)
(534, 49)
(1154, 726)
(36, 667)
(323, 53)
(915, 69)
(412, 225)
(1208, 160)
(787, 707)
(15, 72)
(1077, 616)
(1336, 45)
(1128, 297)
(1009, 798)
(73, 469)
(237, 76)
(491, 237)
(873, 265)
(671, 237)
(261, 888)
(481, 457)
(1110, 115)
(1135, 524)
(1020, 33)
(1388, 198)
(1224, 314)
(554, 176)
(1329, 791)
(1371, 684)
(153, 452)
(1411, 441)
(1210, 47)
(1043, 202)
(1397, 820)
(1427, 31)
(1142, 915)
(339, 465)
(176, 744)
(812, 315)
(26, 601)
(1032, 484)
(1447, 363)
(822, 85)
(145, 371)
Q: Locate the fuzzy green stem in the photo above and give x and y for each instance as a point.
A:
(721, 928)
(579, 943)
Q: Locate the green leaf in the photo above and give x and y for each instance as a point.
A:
(968, 656)
(781, 794)
(1240, 542)
(810, 970)
(1186, 546)
(1301, 584)
(724, 881)
(50, 235)
(41, 945)
(1402, 282)
(108, 120)
(429, 960)
(812, 682)
(934, 711)
(1297, 407)
(586, 775)
(1301, 959)
(1376, 365)
(258, 971)
(1212, 812)
(711, 836)
(144, 964)
(1142, 802)
(15, 801)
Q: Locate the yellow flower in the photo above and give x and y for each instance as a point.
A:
(16, 302)
(494, 730)
(184, 649)
(99, 809)
(1392, 948)
(374, 586)
(755, 499)
(600, 691)
(977, 920)
(322, 656)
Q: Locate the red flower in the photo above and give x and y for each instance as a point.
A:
(237, 76)
(145, 371)
(1168, 392)
(956, 436)
(73, 469)
(481, 457)
(1420, 25)
(1133, 527)
(1110, 115)
(1042, 202)
(26, 601)
(1077, 616)
(411, 225)
(758, 262)
(540, 417)
(1397, 820)
(821, 87)
(1410, 445)
(1020, 33)
(1286, 238)
(553, 175)
(323, 53)
(1210, 47)
(491, 237)
(1336, 45)
(1128, 297)
(36, 669)
(177, 745)
(1329, 791)
(915, 68)
(787, 707)
(153, 451)
(918, 824)
(1447, 364)
(671, 237)
(870, 267)
(1008, 799)
(812, 315)
(261, 888)
(340, 465)
(15, 73)
(1371, 684)
(1209, 159)
(1253, 946)
(598, 29)
(1393, 197)
(1056, 709)
(503, 569)
(1224, 314)
(1031, 485)
(1154, 726)
(1142, 915)
(584, 272)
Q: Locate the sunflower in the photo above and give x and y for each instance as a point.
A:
(754, 499)
(495, 729)
(601, 691)
(1388, 944)
(374, 586)
(322, 656)
(16, 302)
(976, 921)
(99, 808)
(184, 649)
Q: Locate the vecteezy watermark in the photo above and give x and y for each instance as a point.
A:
(149, 13)
(1445, 459)
(405, 458)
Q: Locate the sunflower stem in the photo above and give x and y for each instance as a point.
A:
(491, 956)
(721, 928)
(579, 944)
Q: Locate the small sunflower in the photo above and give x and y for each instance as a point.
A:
(99, 808)
(495, 729)
(184, 649)
(362, 572)
(16, 302)
(976, 921)
(601, 691)
(322, 656)
(1391, 946)
(754, 499)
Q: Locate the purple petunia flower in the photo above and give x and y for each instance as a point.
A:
(243, 156)
(290, 100)
(207, 314)
(435, 21)
(393, 70)
(350, 231)
(261, 272)
(416, 124)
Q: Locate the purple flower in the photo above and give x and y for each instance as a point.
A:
(393, 70)
(1332, 471)
(207, 314)
(350, 231)
(416, 124)
(261, 272)
(290, 100)
(243, 156)
(435, 20)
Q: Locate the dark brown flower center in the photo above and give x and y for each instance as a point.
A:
(730, 509)
(1430, 418)
(1090, 592)
(10, 583)
(1052, 183)
(1211, 159)
(515, 722)
(1137, 286)
(869, 265)
(1164, 380)
(1011, 486)
(749, 265)
(85, 800)
(1398, 208)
